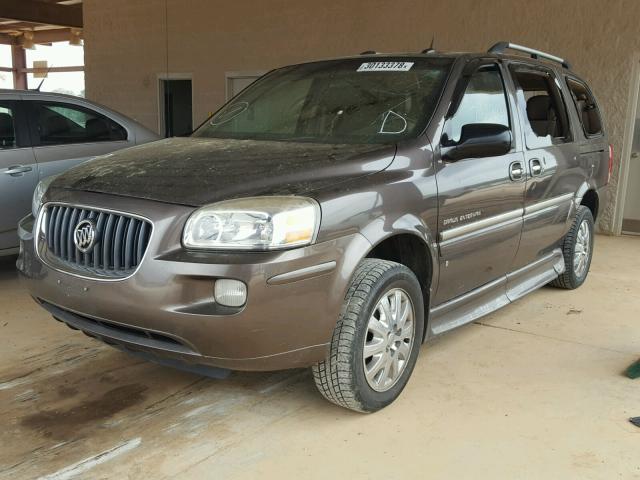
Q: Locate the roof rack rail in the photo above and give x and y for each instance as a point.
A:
(500, 47)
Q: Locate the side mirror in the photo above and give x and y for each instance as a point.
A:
(478, 140)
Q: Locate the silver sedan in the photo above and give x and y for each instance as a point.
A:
(43, 134)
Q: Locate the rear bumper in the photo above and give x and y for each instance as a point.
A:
(166, 308)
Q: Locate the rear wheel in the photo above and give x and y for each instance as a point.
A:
(577, 250)
(376, 340)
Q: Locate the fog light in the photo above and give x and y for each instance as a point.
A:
(230, 293)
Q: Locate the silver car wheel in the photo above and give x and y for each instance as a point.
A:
(582, 250)
(388, 340)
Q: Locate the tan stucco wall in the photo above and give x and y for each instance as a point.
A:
(129, 43)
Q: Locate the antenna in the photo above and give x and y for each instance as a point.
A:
(431, 47)
(46, 75)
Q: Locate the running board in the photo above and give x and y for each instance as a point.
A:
(535, 275)
(494, 295)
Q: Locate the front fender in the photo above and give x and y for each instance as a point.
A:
(385, 227)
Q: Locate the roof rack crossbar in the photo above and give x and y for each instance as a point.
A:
(500, 47)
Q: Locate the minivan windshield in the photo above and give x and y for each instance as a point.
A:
(368, 100)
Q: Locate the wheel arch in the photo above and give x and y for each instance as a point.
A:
(411, 244)
(587, 195)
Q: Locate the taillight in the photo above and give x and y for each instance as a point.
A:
(610, 163)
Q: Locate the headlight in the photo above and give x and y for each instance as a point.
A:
(41, 189)
(256, 223)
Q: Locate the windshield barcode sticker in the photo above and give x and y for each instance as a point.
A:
(385, 67)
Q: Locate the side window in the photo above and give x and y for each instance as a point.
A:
(60, 124)
(586, 106)
(546, 121)
(7, 127)
(484, 101)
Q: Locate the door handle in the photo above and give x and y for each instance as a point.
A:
(17, 170)
(536, 167)
(516, 171)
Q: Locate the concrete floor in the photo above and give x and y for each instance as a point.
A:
(534, 391)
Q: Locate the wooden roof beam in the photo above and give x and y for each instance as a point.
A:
(40, 37)
(42, 12)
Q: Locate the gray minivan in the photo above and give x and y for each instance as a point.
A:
(333, 215)
(43, 134)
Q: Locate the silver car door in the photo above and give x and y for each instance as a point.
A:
(18, 172)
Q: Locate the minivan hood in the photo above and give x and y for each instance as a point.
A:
(198, 171)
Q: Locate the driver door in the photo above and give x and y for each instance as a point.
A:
(480, 199)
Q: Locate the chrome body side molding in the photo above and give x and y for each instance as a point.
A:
(504, 219)
(548, 204)
(485, 223)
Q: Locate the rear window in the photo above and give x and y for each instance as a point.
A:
(586, 107)
(367, 100)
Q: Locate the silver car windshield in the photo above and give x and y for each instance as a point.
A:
(341, 101)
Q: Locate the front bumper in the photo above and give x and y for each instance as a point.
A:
(167, 309)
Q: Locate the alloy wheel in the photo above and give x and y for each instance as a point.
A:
(582, 250)
(389, 339)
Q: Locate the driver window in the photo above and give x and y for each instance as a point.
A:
(484, 101)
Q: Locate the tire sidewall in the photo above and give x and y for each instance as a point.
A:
(584, 215)
(397, 277)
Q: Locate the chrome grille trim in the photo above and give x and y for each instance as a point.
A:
(122, 241)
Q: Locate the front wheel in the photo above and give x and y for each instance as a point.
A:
(577, 250)
(377, 338)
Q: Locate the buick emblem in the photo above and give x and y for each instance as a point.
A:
(84, 235)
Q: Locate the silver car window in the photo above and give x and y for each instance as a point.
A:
(60, 123)
(7, 127)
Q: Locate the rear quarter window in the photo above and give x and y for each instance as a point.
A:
(586, 107)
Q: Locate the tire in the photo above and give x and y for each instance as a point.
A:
(575, 272)
(341, 377)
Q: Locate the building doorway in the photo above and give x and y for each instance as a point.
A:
(176, 107)
(631, 194)
(631, 213)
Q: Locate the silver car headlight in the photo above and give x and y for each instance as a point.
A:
(255, 223)
(39, 192)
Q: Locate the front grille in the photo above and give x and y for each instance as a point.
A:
(120, 240)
